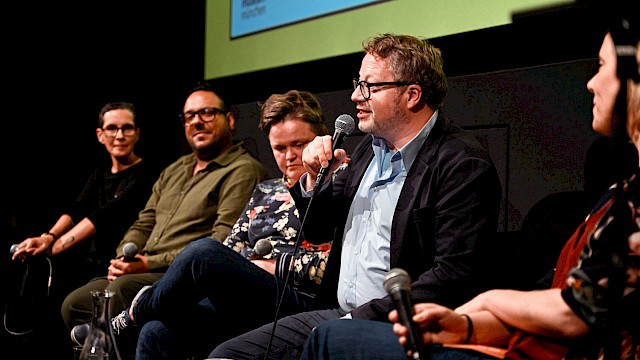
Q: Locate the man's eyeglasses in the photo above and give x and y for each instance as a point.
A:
(206, 115)
(365, 87)
(111, 131)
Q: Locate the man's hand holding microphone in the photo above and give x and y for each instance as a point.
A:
(323, 155)
(130, 263)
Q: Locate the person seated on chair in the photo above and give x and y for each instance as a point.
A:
(109, 203)
(80, 244)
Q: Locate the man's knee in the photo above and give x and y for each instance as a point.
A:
(77, 307)
(203, 245)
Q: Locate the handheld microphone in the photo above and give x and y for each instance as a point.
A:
(13, 249)
(398, 284)
(130, 250)
(344, 126)
(262, 248)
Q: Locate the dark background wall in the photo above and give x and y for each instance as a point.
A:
(519, 87)
(62, 62)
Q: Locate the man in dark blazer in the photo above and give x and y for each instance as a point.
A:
(419, 194)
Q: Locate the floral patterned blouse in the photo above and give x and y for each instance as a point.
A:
(602, 287)
(271, 214)
(598, 271)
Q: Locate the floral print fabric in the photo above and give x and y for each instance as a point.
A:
(271, 214)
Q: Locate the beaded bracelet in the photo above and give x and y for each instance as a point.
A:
(469, 328)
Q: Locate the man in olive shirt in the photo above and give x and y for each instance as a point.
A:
(200, 195)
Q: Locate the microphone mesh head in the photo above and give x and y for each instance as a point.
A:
(345, 124)
(263, 247)
(397, 279)
(130, 249)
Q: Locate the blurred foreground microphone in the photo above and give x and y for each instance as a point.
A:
(398, 284)
(13, 249)
(262, 248)
(344, 126)
(130, 250)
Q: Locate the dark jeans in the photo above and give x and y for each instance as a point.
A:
(209, 294)
(370, 340)
(289, 337)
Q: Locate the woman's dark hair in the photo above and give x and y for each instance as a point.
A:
(625, 33)
(115, 106)
(205, 86)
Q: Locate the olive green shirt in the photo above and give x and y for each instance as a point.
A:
(184, 207)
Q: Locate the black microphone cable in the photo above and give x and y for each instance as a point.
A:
(286, 279)
(344, 125)
(22, 290)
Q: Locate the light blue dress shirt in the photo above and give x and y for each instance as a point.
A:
(367, 235)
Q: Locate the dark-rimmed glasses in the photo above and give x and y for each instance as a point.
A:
(111, 131)
(365, 86)
(206, 114)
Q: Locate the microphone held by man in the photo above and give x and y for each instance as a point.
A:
(130, 250)
(344, 125)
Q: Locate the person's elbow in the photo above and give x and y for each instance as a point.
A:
(572, 327)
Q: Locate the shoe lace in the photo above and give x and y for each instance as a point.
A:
(119, 322)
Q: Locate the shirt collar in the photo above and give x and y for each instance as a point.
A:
(410, 150)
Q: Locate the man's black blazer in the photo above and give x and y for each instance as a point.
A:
(444, 223)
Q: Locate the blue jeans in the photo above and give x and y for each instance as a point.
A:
(209, 294)
(370, 340)
(151, 335)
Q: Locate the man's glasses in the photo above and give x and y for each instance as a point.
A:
(365, 87)
(206, 115)
(111, 131)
